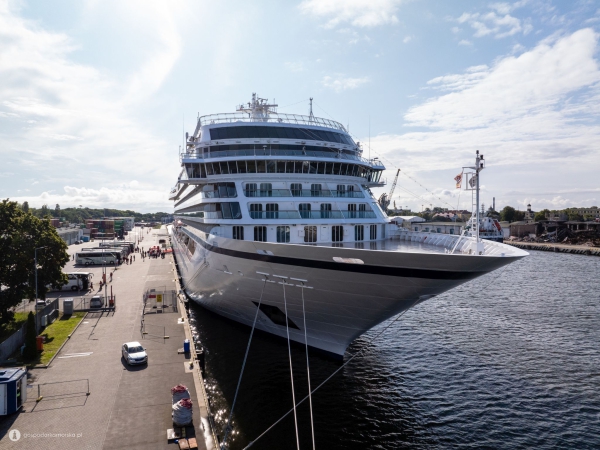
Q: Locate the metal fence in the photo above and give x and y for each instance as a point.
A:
(63, 388)
(83, 303)
(160, 301)
(17, 339)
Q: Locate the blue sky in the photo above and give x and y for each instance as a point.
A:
(94, 94)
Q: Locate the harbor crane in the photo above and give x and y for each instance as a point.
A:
(385, 199)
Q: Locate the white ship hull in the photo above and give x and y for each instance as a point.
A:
(345, 299)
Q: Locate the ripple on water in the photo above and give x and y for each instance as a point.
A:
(509, 360)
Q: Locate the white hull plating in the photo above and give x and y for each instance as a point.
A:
(345, 301)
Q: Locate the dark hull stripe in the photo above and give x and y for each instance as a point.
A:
(343, 267)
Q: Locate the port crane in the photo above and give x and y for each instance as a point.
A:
(385, 199)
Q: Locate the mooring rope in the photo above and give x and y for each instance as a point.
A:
(287, 329)
(228, 426)
(312, 427)
(332, 375)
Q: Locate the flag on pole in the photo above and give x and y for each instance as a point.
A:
(458, 179)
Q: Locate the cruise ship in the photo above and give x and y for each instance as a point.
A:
(275, 219)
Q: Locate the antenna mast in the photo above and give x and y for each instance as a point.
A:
(311, 116)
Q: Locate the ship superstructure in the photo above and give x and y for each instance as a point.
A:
(269, 205)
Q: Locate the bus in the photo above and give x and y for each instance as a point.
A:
(128, 245)
(77, 281)
(88, 258)
(119, 251)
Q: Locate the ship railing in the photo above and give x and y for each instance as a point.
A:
(303, 193)
(267, 193)
(291, 214)
(359, 214)
(273, 117)
(195, 154)
(231, 193)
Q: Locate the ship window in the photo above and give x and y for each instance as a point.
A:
(266, 189)
(362, 208)
(451, 230)
(304, 209)
(373, 232)
(283, 234)
(336, 169)
(236, 211)
(224, 168)
(251, 166)
(315, 190)
(250, 190)
(337, 233)
(325, 210)
(289, 167)
(280, 166)
(271, 166)
(296, 189)
(359, 232)
(439, 230)
(320, 167)
(203, 170)
(238, 233)
(352, 211)
(310, 233)
(261, 166)
(328, 168)
(341, 190)
(209, 169)
(241, 165)
(255, 211)
(272, 211)
(260, 234)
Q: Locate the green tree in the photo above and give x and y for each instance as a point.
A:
(30, 341)
(20, 234)
(508, 214)
(25, 206)
(44, 211)
(541, 215)
(57, 211)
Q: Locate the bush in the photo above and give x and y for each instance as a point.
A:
(30, 338)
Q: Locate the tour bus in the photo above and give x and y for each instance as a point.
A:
(88, 258)
(119, 251)
(77, 281)
(127, 245)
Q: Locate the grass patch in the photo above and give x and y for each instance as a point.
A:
(8, 329)
(56, 334)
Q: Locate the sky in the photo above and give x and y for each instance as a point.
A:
(95, 96)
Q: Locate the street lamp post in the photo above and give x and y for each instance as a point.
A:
(36, 283)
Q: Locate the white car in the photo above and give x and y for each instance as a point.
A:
(134, 353)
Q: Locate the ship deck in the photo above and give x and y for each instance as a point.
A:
(387, 245)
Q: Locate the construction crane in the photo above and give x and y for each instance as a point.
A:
(385, 199)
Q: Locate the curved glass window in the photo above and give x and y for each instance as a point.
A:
(278, 132)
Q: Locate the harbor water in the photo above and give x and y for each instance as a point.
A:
(509, 360)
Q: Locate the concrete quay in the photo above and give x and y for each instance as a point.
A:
(127, 407)
(560, 248)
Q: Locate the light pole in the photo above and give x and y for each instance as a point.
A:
(36, 286)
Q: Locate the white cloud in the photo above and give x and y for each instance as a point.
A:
(359, 13)
(465, 42)
(497, 22)
(122, 196)
(343, 83)
(534, 116)
(294, 66)
(407, 39)
(76, 114)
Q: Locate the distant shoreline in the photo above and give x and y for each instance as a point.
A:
(559, 248)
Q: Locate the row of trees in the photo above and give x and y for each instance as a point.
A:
(79, 215)
(21, 233)
(508, 214)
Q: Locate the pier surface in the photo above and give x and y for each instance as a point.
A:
(127, 407)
